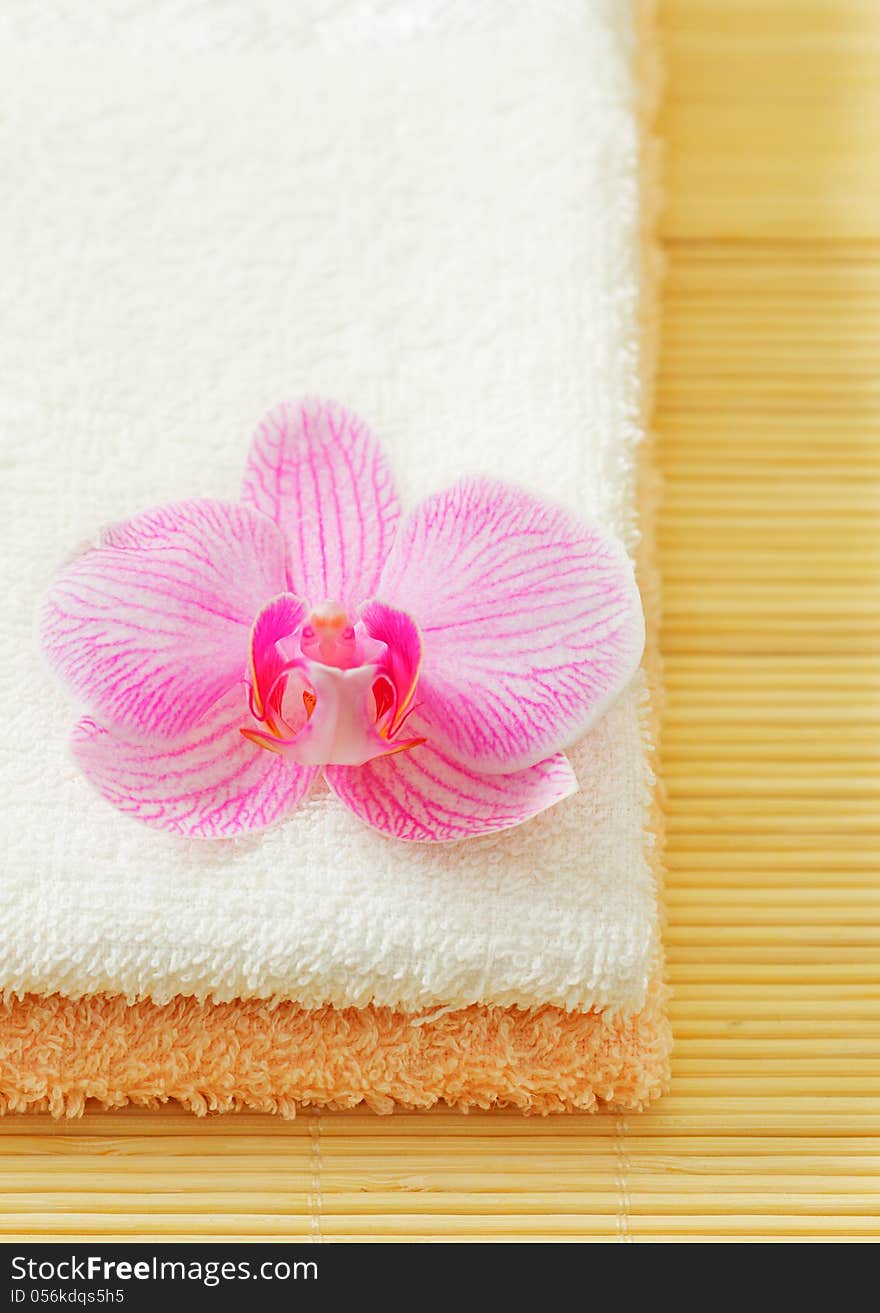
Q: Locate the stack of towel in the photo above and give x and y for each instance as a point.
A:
(435, 214)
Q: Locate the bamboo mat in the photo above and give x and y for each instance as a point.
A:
(769, 422)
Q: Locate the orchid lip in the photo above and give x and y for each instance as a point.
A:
(323, 690)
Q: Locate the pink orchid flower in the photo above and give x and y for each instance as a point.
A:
(434, 668)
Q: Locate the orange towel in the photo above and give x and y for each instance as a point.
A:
(55, 1053)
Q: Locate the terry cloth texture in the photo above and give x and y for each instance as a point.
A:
(432, 213)
(55, 1053)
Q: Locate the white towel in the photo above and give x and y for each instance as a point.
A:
(430, 212)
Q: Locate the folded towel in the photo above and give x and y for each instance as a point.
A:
(55, 1053)
(435, 220)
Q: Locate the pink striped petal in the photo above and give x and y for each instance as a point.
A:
(531, 621)
(425, 796)
(317, 471)
(210, 783)
(153, 626)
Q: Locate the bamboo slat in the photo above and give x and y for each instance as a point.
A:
(768, 411)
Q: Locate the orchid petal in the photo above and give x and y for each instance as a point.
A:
(531, 621)
(403, 658)
(425, 796)
(317, 471)
(153, 626)
(208, 783)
